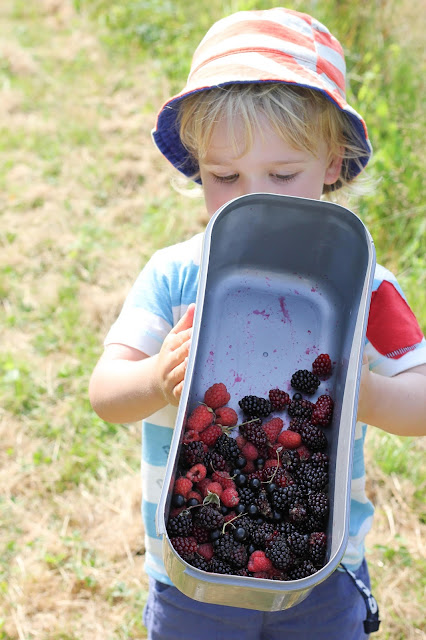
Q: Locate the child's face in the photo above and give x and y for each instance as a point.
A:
(271, 166)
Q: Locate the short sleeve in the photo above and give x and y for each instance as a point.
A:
(395, 341)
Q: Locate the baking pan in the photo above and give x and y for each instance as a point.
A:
(282, 279)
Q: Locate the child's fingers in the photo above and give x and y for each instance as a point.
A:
(185, 321)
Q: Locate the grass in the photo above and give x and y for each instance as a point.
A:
(85, 199)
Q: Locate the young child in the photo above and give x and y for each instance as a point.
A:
(264, 110)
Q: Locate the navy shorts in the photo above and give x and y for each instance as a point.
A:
(334, 610)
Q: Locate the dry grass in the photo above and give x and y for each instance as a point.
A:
(72, 550)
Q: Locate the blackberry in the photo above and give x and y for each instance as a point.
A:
(298, 543)
(311, 478)
(318, 504)
(209, 517)
(313, 437)
(214, 461)
(263, 504)
(319, 459)
(301, 570)
(317, 547)
(255, 407)
(306, 381)
(227, 447)
(297, 423)
(246, 495)
(230, 550)
(180, 525)
(199, 562)
(192, 453)
(254, 433)
(185, 546)
(279, 553)
(300, 409)
(286, 528)
(290, 460)
(217, 565)
(323, 411)
(279, 399)
(310, 524)
(262, 534)
(201, 534)
(298, 512)
(284, 497)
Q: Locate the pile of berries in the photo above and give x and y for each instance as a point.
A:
(250, 496)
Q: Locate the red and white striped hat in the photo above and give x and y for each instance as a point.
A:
(275, 45)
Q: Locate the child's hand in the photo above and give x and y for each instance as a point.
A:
(173, 357)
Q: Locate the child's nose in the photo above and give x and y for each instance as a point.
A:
(252, 184)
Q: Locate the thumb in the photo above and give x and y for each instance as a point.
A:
(186, 320)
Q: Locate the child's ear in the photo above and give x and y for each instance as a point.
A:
(333, 169)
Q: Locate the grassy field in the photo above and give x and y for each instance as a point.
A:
(85, 199)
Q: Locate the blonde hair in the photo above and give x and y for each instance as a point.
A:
(300, 116)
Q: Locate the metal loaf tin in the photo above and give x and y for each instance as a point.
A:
(282, 279)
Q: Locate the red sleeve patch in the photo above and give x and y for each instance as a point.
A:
(392, 327)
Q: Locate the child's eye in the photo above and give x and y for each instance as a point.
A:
(225, 179)
(281, 178)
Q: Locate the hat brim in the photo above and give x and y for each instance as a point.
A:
(167, 137)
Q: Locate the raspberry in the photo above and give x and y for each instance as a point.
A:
(259, 562)
(194, 495)
(224, 479)
(206, 550)
(202, 486)
(279, 399)
(249, 451)
(190, 436)
(230, 497)
(304, 380)
(303, 453)
(270, 463)
(323, 411)
(200, 418)
(210, 435)
(185, 546)
(273, 428)
(213, 487)
(217, 396)
(255, 407)
(226, 416)
(290, 439)
(182, 486)
(196, 473)
(321, 366)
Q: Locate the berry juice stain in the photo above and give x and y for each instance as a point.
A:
(261, 313)
(284, 310)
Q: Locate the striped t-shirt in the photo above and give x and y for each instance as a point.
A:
(159, 298)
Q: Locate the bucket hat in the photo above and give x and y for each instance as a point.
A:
(273, 45)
